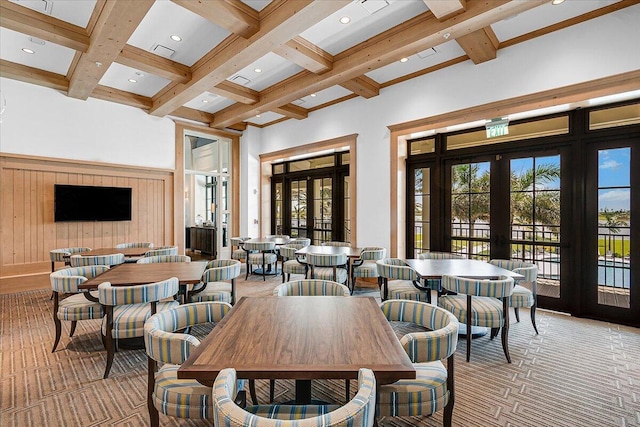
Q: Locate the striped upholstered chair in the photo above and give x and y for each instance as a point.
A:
(432, 390)
(63, 255)
(339, 244)
(482, 303)
(134, 245)
(328, 267)
(213, 286)
(236, 248)
(525, 292)
(162, 250)
(164, 258)
(365, 266)
(262, 254)
(75, 306)
(436, 284)
(165, 392)
(291, 263)
(358, 412)
(110, 260)
(399, 281)
(304, 241)
(127, 308)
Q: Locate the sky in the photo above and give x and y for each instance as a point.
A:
(614, 169)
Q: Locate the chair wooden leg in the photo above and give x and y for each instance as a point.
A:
(272, 390)
(252, 391)
(248, 268)
(516, 310)
(154, 417)
(505, 329)
(469, 313)
(56, 322)
(533, 318)
(448, 409)
(347, 388)
(110, 343)
(494, 333)
(74, 323)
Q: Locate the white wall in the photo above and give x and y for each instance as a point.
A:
(44, 122)
(570, 56)
(250, 144)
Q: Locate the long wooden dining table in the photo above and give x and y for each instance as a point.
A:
(301, 338)
(469, 268)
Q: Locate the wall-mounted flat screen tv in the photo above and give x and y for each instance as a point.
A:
(88, 203)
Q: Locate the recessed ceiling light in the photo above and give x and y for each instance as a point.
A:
(176, 38)
(29, 51)
(257, 70)
(258, 115)
(133, 81)
(313, 95)
(554, 2)
(404, 59)
(205, 100)
(345, 20)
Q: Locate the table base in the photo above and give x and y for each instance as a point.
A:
(476, 331)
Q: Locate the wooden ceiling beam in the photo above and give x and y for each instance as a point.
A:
(27, 21)
(193, 114)
(236, 92)
(292, 111)
(111, 94)
(143, 60)
(117, 21)
(240, 126)
(363, 86)
(232, 15)
(306, 54)
(36, 76)
(444, 9)
(410, 37)
(481, 45)
(280, 22)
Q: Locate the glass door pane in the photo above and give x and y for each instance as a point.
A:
(298, 191)
(535, 218)
(421, 210)
(614, 227)
(470, 210)
(322, 210)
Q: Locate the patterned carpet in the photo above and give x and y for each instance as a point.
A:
(575, 373)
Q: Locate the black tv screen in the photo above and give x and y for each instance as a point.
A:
(88, 203)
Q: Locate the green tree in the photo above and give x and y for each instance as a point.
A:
(613, 224)
(470, 189)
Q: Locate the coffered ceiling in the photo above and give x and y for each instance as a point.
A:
(227, 63)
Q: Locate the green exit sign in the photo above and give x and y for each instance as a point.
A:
(497, 127)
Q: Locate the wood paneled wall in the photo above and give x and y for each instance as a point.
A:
(27, 228)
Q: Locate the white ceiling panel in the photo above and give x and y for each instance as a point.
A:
(335, 37)
(118, 75)
(75, 12)
(209, 102)
(420, 61)
(267, 117)
(274, 68)
(322, 97)
(544, 16)
(257, 4)
(48, 56)
(165, 19)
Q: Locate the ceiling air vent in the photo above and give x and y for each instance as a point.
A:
(426, 53)
(163, 51)
(42, 6)
(240, 80)
(372, 6)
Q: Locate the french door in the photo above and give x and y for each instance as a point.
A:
(612, 246)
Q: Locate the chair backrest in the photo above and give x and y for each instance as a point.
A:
(499, 288)
(304, 241)
(395, 269)
(221, 269)
(342, 244)
(164, 258)
(80, 260)
(439, 255)
(358, 412)
(311, 287)
(68, 279)
(288, 252)
(237, 241)
(326, 260)
(278, 236)
(438, 343)
(164, 345)
(62, 254)
(163, 250)
(134, 245)
(137, 294)
(527, 269)
(373, 253)
(259, 246)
